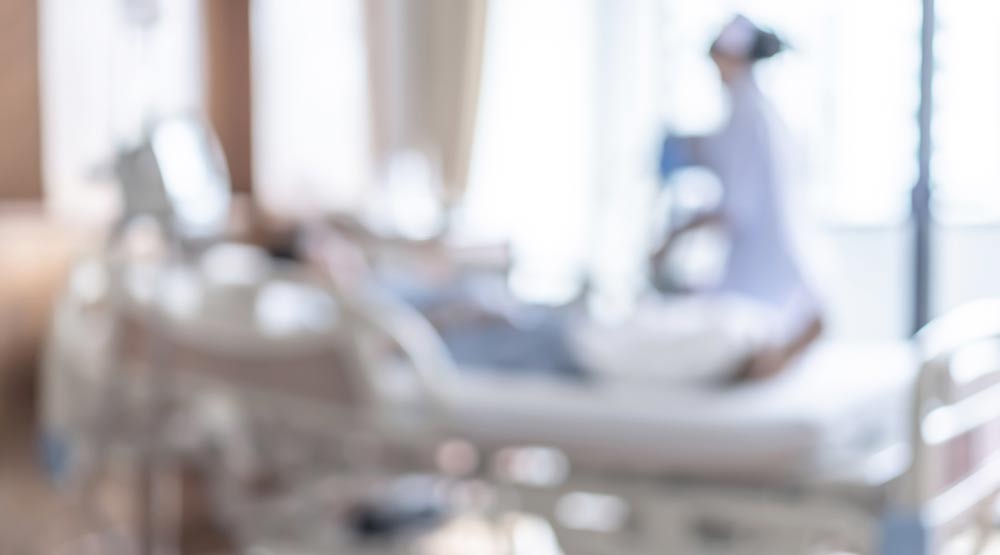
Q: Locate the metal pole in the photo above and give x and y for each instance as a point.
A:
(921, 194)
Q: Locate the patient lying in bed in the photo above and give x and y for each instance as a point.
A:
(691, 339)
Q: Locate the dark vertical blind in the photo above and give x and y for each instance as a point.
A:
(921, 214)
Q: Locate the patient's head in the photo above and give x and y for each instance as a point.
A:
(740, 45)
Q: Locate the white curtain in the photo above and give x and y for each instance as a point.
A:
(532, 177)
(561, 162)
(629, 133)
(343, 87)
(425, 59)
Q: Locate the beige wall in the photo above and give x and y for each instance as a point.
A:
(20, 143)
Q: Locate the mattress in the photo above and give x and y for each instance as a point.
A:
(840, 402)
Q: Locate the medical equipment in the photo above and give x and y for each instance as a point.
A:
(178, 177)
(209, 354)
(266, 387)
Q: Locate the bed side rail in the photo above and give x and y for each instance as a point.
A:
(377, 315)
(956, 416)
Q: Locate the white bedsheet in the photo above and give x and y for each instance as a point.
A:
(840, 402)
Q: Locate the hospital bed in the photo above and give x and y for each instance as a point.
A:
(866, 448)
(869, 448)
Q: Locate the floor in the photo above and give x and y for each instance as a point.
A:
(32, 514)
(36, 519)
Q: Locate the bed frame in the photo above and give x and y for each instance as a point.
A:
(911, 499)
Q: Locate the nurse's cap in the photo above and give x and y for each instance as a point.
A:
(743, 40)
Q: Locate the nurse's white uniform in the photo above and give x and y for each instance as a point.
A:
(764, 297)
(764, 261)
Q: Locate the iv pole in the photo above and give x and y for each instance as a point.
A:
(142, 16)
(921, 193)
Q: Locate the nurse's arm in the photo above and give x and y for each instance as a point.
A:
(713, 218)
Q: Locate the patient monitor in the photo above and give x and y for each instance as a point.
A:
(178, 176)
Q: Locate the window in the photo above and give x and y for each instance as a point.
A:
(563, 161)
(848, 88)
(101, 76)
(849, 91)
(966, 135)
(532, 178)
(310, 104)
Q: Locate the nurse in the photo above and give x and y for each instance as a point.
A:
(763, 263)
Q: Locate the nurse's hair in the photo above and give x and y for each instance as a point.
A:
(743, 40)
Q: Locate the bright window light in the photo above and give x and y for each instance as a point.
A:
(848, 89)
(311, 111)
(532, 176)
(966, 135)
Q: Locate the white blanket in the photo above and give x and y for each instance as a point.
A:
(839, 403)
(676, 342)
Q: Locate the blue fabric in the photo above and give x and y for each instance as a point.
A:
(55, 454)
(538, 347)
(904, 534)
(536, 343)
(674, 155)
